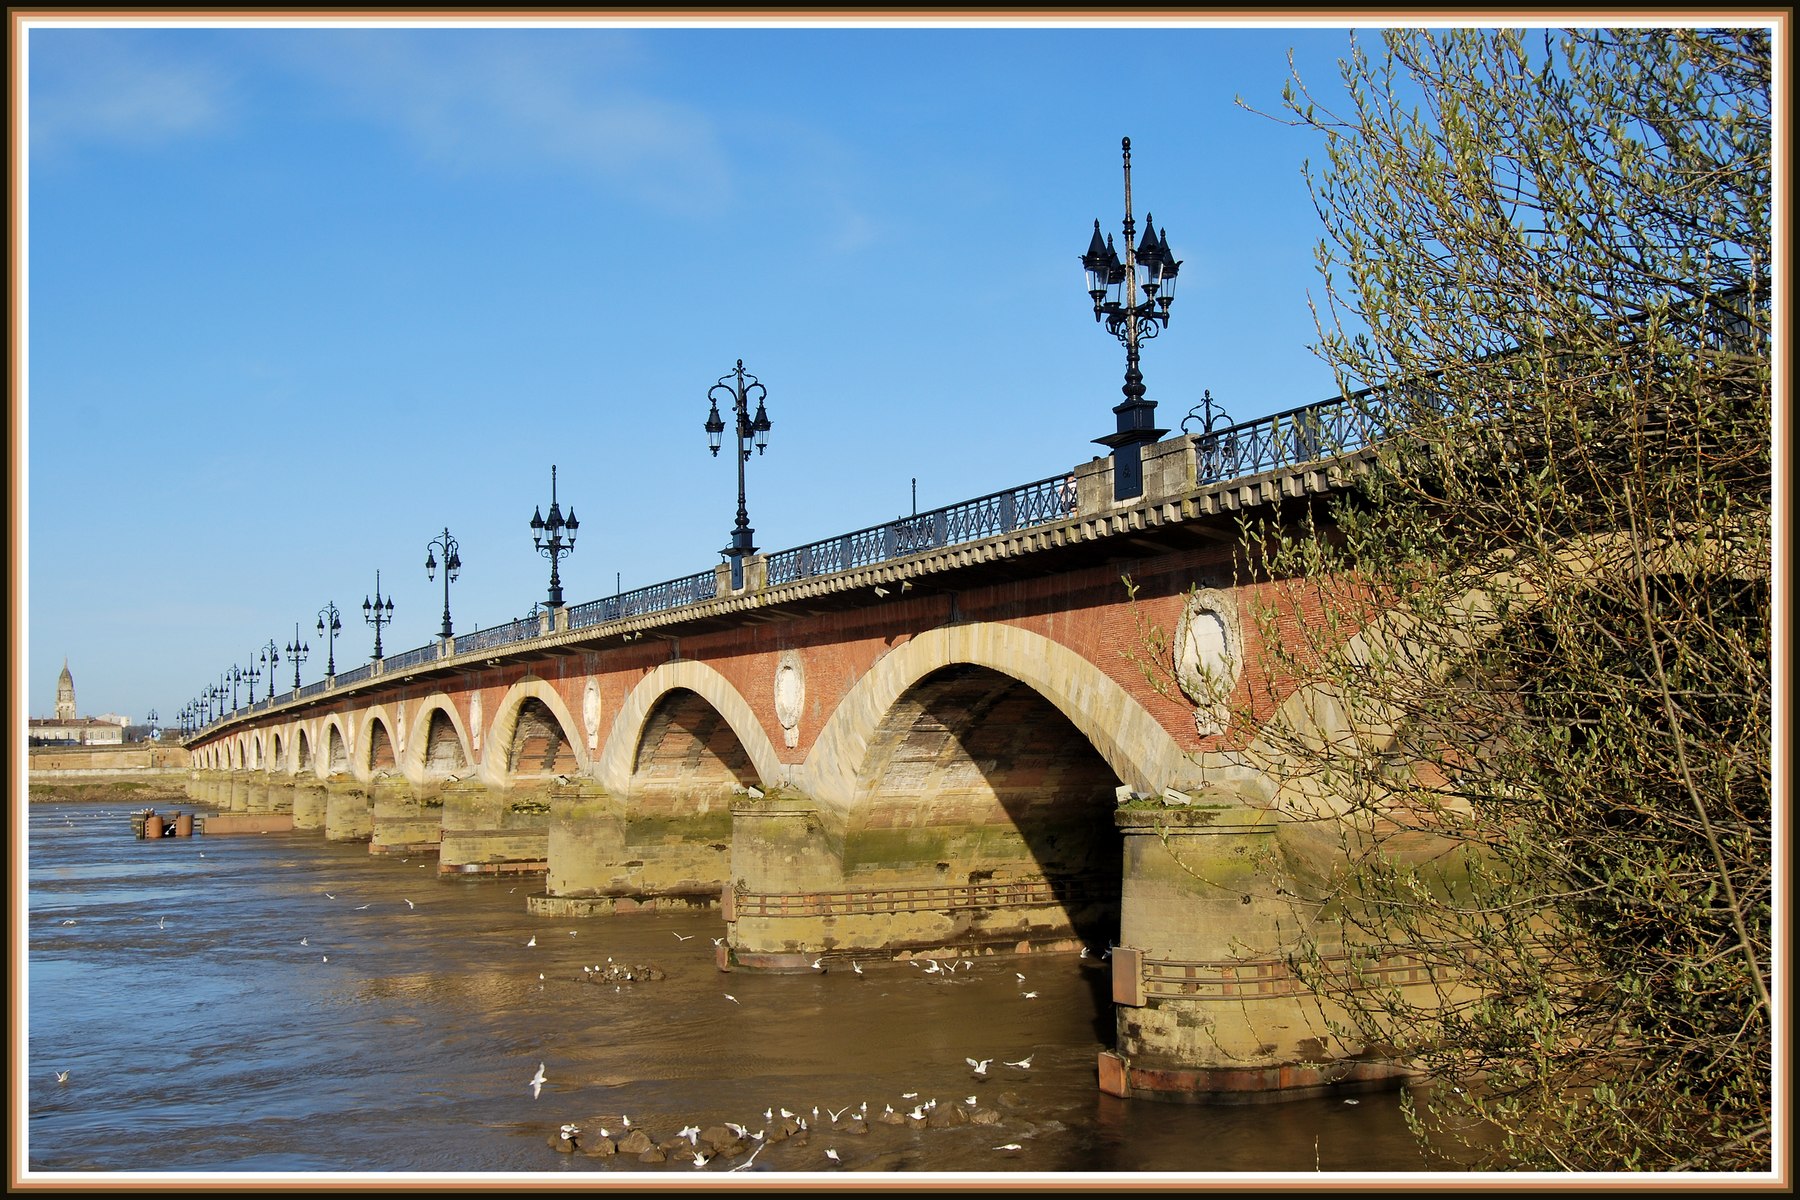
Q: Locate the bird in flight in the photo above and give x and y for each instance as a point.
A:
(731, 997)
(1024, 1064)
(303, 941)
(818, 964)
(981, 1067)
(360, 907)
(684, 937)
(1029, 995)
(537, 1082)
(1010, 1146)
(533, 940)
(329, 896)
(856, 966)
(62, 1077)
(409, 903)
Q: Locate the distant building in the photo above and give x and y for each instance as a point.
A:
(66, 729)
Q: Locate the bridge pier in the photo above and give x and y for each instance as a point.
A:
(493, 831)
(799, 891)
(309, 803)
(276, 795)
(1208, 1008)
(401, 820)
(624, 854)
(349, 816)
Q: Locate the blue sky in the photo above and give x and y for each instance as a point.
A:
(301, 298)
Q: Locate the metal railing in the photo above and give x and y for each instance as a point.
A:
(516, 630)
(410, 658)
(356, 675)
(1310, 433)
(988, 516)
(658, 597)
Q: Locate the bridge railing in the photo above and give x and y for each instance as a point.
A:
(674, 593)
(987, 516)
(356, 675)
(516, 630)
(410, 658)
(1310, 433)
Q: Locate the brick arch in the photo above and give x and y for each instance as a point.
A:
(615, 764)
(304, 754)
(437, 744)
(533, 734)
(687, 747)
(1126, 737)
(338, 747)
(278, 752)
(375, 734)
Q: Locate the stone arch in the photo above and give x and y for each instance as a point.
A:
(1126, 737)
(277, 752)
(618, 761)
(437, 745)
(533, 735)
(303, 752)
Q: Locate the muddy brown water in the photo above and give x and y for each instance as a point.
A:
(274, 1004)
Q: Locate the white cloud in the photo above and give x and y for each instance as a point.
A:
(106, 85)
(502, 100)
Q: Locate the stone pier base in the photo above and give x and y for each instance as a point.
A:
(349, 816)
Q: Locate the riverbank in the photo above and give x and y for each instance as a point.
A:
(110, 789)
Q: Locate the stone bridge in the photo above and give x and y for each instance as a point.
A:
(949, 744)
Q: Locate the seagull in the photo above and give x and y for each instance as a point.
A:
(918, 1113)
(737, 1129)
(818, 964)
(537, 1082)
(324, 958)
(1353, 1102)
(856, 966)
(62, 1077)
(360, 907)
(329, 896)
(571, 933)
(1021, 977)
(1029, 995)
(786, 1115)
(70, 921)
(700, 1160)
(969, 1100)
(569, 1131)
(749, 1160)
(1010, 1146)
(833, 1156)
(1024, 1064)
(159, 922)
(684, 937)
(409, 903)
(718, 941)
(731, 997)
(691, 1133)
(835, 1115)
(303, 941)
(981, 1067)
(533, 940)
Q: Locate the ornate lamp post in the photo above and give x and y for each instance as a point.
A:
(297, 651)
(547, 538)
(151, 721)
(445, 545)
(328, 627)
(742, 536)
(1114, 287)
(378, 614)
(271, 658)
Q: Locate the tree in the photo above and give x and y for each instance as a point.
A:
(1536, 714)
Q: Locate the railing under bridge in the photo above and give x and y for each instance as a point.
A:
(1310, 433)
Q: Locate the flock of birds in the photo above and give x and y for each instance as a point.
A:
(783, 1124)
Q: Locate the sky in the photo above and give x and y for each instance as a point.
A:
(301, 298)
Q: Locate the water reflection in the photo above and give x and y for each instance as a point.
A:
(272, 1003)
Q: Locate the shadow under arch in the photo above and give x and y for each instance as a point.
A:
(277, 759)
(437, 745)
(530, 737)
(982, 776)
(303, 753)
(336, 759)
(618, 764)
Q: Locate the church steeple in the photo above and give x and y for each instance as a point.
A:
(65, 694)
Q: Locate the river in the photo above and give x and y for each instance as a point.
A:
(279, 1006)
